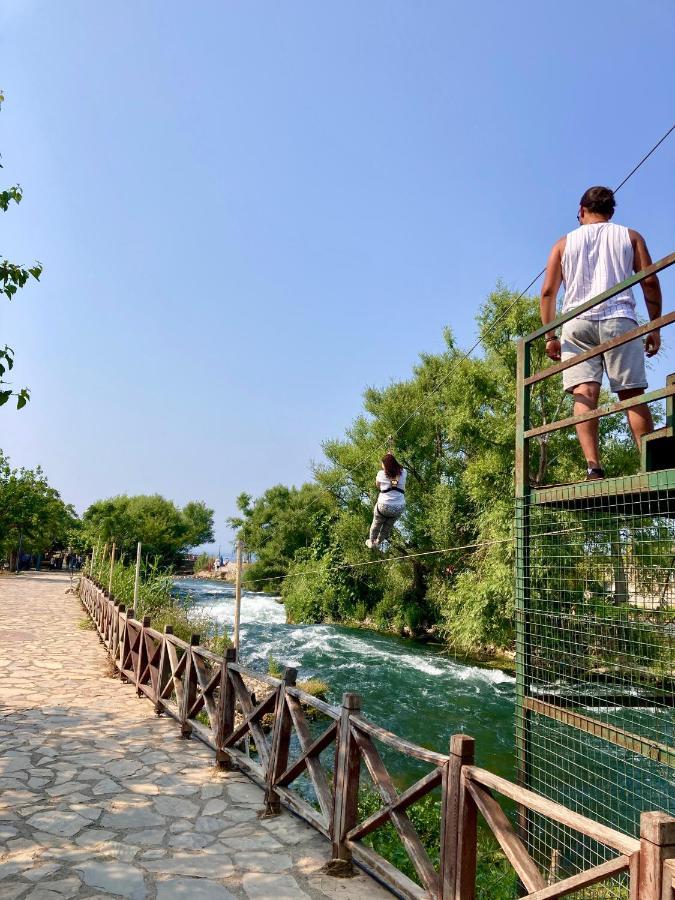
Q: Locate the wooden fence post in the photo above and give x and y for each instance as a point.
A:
(112, 566)
(225, 721)
(137, 575)
(347, 771)
(669, 878)
(237, 597)
(114, 629)
(461, 754)
(657, 844)
(189, 690)
(92, 559)
(121, 637)
(142, 654)
(126, 644)
(467, 835)
(163, 666)
(281, 738)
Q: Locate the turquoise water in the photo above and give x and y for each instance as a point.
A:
(410, 688)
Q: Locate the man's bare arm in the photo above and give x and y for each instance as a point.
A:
(549, 295)
(651, 289)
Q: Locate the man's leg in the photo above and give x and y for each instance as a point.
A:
(626, 372)
(585, 399)
(639, 417)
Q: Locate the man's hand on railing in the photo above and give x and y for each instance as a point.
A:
(553, 348)
(653, 343)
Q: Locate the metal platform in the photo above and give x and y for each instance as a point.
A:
(647, 493)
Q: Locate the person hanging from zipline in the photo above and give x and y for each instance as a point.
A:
(390, 482)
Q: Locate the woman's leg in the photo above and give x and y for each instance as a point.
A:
(387, 527)
(387, 524)
(375, 527)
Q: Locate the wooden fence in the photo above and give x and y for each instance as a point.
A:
(210, 697)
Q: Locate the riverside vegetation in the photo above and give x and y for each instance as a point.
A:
(454, 427)
(158, 599)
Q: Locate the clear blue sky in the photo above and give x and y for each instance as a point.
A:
(232, 199)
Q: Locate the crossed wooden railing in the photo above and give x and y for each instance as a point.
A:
(210, 697)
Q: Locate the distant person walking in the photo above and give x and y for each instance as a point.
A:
(390, 481)
(591, 259)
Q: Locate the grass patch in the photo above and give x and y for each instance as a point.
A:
(315, 686)
(158, 599)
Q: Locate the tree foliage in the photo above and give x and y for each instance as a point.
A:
(276, 526)
(12, 277)
(454, 421)
(32, 514)
(164, 530)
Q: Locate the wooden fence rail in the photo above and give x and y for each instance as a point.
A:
(211, 698)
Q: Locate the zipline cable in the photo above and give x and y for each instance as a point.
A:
(464, 356)
(645, 158)
(520, 296)
(389, 559)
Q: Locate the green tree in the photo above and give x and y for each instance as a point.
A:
(198, 520)
(33, 517)
(276, 525)
(164, 530)
(454, 422)
(12, 277)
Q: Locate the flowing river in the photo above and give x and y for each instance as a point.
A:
(407, 687)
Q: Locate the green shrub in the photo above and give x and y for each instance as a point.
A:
(202, 562)
(158, 600)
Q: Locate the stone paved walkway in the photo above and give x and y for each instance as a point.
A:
(100, 798)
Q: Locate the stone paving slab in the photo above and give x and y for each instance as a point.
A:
(100, 798)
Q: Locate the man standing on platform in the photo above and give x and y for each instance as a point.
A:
(589, 260)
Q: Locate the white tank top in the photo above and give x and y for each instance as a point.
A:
(597, 257)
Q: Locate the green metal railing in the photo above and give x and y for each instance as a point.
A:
(595, 620)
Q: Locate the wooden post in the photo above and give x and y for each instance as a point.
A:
(467, 839)
(346, 787)
(138, 574)
(657, 844)
(281, 738)
(461, 754)
(189, 690)
(225, 720)
(114, 628)
(237, 597)
(164, 667)
(92, 560)
(124, 639)
(142, 654)
(112, 566)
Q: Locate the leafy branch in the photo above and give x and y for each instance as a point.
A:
(12, 277)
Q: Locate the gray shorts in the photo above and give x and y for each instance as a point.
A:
(625, 365)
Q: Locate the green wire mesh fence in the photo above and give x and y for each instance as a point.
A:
(595, 611)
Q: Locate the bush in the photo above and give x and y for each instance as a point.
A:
(203, 562)
(158, 599)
